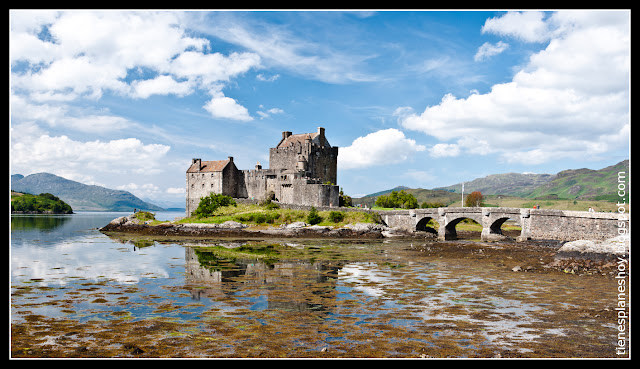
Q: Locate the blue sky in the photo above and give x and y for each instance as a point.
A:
(125, 99)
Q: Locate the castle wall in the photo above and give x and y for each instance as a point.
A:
(201, 184)
(299, 191)
(298, 167)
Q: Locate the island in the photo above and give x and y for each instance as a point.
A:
(44, 203)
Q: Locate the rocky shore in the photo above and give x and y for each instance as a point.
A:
(129, 224)
(590, 256)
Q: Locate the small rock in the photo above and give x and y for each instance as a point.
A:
(296, 225)
(516, 268)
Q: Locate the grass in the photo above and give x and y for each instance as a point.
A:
(260, 215)
(556, 204)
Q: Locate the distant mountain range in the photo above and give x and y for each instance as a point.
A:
(568, 184)
(80, 197)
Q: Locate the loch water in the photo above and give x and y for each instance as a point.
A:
(76, 292)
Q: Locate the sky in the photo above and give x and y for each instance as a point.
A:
(423, 99)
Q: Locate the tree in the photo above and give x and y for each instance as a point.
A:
(345, 200)
(397, 200)
(474, 199)
(209, 204)
(313, 217)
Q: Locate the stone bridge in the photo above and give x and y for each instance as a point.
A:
(535, 223)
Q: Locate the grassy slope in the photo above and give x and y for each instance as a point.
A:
(246, 214)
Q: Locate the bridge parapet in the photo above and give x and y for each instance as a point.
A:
(535, 223)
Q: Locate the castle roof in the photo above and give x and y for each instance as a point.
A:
(208, 166)
(299, 139)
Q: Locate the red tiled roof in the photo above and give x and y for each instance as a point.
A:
(208, 166)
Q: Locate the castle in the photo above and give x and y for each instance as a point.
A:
(303, 171)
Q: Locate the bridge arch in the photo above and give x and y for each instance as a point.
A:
(450, 232)
(422, 225)
(494, 230)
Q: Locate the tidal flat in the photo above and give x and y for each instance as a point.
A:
(101, 297)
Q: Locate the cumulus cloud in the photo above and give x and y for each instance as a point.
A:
(570, 101)
(443, 150)
(69, 55)
(378, 148)
(223, 107)
(528, 26)
(161, 85)
(34, 150)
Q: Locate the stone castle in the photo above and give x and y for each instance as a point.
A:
(302, 171)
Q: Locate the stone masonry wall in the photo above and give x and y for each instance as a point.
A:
(573, 225)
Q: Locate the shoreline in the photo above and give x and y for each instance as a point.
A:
(231, 229)
(573, 253)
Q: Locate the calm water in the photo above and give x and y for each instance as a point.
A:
(325, 298)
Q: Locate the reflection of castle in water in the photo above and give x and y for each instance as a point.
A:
(291, 285)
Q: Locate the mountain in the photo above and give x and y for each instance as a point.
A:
(581, 184)
(79, 196)
(513, 184)
(585, 183)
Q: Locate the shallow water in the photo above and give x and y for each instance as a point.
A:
(76, 292)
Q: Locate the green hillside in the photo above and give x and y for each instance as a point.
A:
(573, 189)
(584, 184)
(513, 184)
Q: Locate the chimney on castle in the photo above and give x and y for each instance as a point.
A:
(231, 159)
(285, 134)
(198, 162)
(321, 136)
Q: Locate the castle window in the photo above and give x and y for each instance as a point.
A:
(203, 185)
(212, 185)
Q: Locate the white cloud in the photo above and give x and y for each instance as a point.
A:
(161, 85)
(378, 148)
(570, 101)
(527, 26)
(64, 56)
(269, 112)
(222, 107)
(488, 50)
(176, 190)
(66, 116)
(443, 150)
(146, 190)
(280, 47)
(33, 150)
(208, 69)
(263, 78)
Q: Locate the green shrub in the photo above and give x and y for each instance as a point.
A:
(313, 217)
(258, 218)
(336, 216)
(145, 215)
(209, 204)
